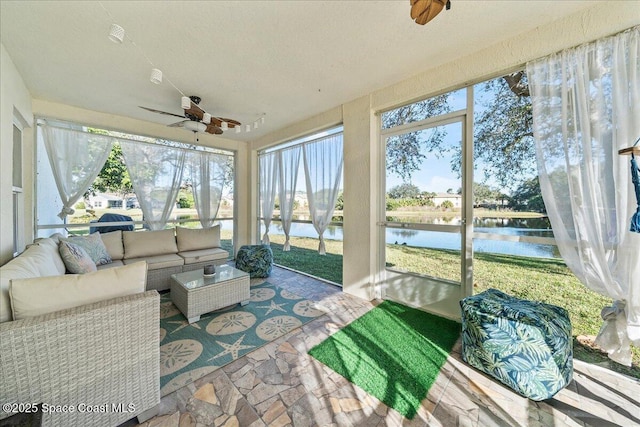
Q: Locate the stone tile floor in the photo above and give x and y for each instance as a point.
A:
(281, 385)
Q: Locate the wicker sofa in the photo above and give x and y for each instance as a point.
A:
(166, 252)
(89, 357)
(86, 346)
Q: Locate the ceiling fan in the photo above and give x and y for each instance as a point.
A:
(198, 120)
(423, 11)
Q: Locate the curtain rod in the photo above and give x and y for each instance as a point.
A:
(263, 152)
(202, 149)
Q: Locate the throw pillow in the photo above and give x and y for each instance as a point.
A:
(94, 246)
(76, 258)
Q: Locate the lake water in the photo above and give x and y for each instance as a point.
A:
(538, 227)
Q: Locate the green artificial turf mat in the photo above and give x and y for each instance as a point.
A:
(393, 352)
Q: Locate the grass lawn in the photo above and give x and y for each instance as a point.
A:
(304, 257)
(539, 279)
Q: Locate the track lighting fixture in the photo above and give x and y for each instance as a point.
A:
(116, 33)
(156, 76)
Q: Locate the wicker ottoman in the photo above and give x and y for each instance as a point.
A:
(257, 260)
(524, 344)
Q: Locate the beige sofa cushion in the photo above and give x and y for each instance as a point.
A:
(40, 259)
(113, 243)
(51, 251)
(116, 263)
(158, 261)
(42, 295)
(140, 244)
(203, 255)
(193, 239)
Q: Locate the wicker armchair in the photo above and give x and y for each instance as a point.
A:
(103, 359)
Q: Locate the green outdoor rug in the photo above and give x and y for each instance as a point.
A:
(393, 352)
(190, 351)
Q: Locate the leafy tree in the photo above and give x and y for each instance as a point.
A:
(185, 197)
(404, 191)
(406, 152)
(427, 195)
(528, 197)
(447, 204)
(228, 173)
(503, 133)
(114, 176)
(340, 202)
(482, 193)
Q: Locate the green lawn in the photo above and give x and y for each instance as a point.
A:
(539, 279)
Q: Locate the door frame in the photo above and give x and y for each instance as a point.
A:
(465, 118)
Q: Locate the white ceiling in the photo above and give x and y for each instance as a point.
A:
(288, 59)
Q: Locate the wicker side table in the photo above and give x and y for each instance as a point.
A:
(194, 294)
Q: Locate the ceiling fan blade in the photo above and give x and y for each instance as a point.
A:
(213, 129)
(194, 110)
(161, 112)
(417, 6)
(230, 122)
(423, 11)
(178, 124)
(216, 121)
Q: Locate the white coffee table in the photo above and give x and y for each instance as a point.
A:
(194, 294)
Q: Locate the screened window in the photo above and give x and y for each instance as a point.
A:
(427, 108)
(301, 203)
(17, 200)
(113, 191)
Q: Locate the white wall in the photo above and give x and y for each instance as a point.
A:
(361, 131)
(15, 100)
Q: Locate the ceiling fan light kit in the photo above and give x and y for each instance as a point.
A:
(194, 126)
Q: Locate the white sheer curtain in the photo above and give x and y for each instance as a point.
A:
(268, 185)
(586, 106)
(156, 174)
(207, 172)
(323, 175)
(76, 158)
(288, 162)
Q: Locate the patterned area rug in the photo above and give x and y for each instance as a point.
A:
(190, 351)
